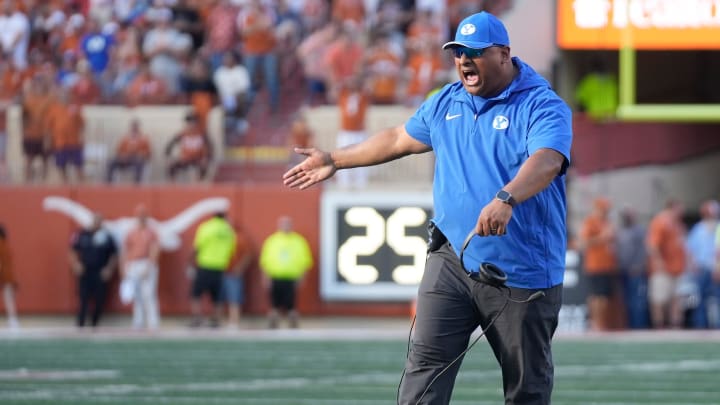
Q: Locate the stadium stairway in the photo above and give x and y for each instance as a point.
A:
(262, 154)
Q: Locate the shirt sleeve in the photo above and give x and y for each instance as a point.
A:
(654, 234)
(418, 126)
(551, 128)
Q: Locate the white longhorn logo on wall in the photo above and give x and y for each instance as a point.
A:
(168, 231)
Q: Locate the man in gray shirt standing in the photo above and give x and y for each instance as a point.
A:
(632, 259)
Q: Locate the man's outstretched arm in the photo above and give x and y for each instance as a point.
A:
(384, 146)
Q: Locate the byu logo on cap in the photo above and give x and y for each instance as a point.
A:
(500, 122)
(467, 29)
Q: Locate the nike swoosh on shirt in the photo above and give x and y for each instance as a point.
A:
(449, 117)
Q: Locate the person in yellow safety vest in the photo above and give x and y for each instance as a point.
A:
(214, 247)
(285, 257)
(597, 93)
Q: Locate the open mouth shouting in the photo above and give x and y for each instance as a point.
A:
(470, 76)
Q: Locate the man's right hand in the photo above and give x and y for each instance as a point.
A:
(318, 166)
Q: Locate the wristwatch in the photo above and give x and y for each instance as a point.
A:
(506, 197)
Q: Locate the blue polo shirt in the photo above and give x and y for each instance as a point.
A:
(479, 145)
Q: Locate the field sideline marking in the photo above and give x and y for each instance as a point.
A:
(374, 378)
(56, 375)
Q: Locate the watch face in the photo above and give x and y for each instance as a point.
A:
(503, 195)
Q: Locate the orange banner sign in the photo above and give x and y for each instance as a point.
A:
(642, 24)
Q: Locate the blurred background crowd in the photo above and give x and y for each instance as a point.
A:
(664, 274)
(61, 55)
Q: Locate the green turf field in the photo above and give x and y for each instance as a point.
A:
(285, 372)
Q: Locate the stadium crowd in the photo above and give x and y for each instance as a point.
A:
(211, 53)
(665, 274)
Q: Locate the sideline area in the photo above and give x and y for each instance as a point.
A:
(117, 326)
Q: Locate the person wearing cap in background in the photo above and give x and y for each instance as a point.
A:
(597, 241)
(213, 249)
(501, 138)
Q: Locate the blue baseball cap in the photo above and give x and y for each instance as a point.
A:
(480, 31)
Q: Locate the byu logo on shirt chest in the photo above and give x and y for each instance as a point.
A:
(500, 122)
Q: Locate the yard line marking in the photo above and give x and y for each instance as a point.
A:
(647, 367)
(56, 375)
(156, 391)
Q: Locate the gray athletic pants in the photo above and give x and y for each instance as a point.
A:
(450, 306)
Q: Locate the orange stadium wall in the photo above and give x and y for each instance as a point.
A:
(40, 239)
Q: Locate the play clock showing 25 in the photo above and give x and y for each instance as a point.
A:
(373, 244)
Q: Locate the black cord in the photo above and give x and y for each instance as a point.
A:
(407, 355)
(464, 352)
(495, 279)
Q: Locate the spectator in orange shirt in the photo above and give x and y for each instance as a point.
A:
(597, 239)
(8, 283)
(69, 37)
(12, 78)
(349, 10)
(195, 149)
(133, 152)
(353, 103)
(85, 89)
(257, 30)
(66, 126)
(343, 59)
(146, 88)
(424, 68)
(425, 31)
(666, 251)
(36, 102)
(383, 68)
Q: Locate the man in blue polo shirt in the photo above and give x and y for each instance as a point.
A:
(501, 139)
